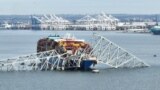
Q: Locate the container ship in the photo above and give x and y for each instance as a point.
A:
(156, 30)
(76, 52)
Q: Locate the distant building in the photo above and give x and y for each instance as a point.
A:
(133, 26)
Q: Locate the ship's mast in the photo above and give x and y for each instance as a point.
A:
(157, 19)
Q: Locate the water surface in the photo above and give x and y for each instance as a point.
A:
(15, 43)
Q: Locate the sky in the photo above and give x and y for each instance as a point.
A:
(79, 6)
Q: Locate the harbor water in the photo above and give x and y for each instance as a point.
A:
(145, 46)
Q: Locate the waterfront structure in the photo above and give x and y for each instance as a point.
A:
(6, 26)
(133, 26)
(49, 22)
(53, 22)
(100, 22)
(17, 25)
(87, 22)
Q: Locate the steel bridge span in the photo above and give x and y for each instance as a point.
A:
(105, 51)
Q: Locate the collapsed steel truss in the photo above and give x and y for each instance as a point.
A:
(103, 49)
(113, 55)
(48, 60)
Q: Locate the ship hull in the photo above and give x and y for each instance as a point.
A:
(155, 32)
(86, 65)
